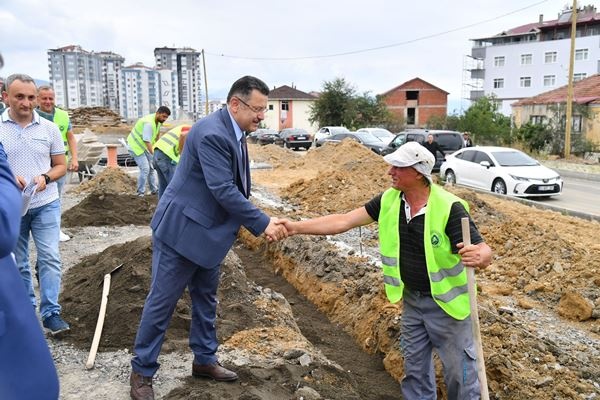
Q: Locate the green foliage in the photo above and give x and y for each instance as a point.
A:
(534, 136)
(448, 122)
(339, 105)
(486, 124)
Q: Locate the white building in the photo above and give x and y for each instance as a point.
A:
(140, 91)
(76, 76)
(111, 65)
(185, 64)
(534, 58)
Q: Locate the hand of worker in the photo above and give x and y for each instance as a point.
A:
(475, 255)
(289, 226)
(73, 165)
(275, 230)
(21, 182)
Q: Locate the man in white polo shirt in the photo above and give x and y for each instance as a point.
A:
(36, 154)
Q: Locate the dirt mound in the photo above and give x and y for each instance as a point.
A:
(110, 180)
(271, 154)
(109, 209)
(96, 116)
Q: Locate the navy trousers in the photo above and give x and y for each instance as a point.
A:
(171, 273)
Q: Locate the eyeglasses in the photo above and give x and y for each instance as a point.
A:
(254, 109)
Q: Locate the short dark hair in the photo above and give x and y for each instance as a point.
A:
(245, 85)
(163, 110)
(18, 77)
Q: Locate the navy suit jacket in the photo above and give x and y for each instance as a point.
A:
(26, 367)
(202, 209)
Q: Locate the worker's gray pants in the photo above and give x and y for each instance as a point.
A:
(425, 326)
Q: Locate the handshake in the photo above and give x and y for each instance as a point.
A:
(279, 228)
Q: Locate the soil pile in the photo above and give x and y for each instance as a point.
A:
(110, 180)
(109, 209)
(274, 155)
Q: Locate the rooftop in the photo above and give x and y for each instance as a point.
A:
(584, 91)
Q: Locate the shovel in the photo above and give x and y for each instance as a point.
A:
(100, 324)
(466, 233)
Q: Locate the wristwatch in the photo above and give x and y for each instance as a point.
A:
(47, 178)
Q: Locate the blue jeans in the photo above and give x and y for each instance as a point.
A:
(165, 169)
(425, 327)
(44, 224)
(60, 183)
(144, 162)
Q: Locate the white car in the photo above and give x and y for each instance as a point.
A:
(501, 170)
(326, 132)
(382, 134)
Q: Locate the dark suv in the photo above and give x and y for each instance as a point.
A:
(449, 141)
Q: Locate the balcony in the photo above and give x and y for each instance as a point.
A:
(478, 73)
(476, 94)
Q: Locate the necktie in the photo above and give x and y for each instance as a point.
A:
(244, 149)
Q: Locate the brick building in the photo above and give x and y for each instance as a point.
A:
(416, 101)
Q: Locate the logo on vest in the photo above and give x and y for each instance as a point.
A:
(436, 239)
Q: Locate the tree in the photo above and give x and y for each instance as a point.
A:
(335, 104)
(485, 123)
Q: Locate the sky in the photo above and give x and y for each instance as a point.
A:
(299, 43)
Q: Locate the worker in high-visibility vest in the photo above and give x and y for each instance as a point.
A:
(46, 104)
(140, 144)
(423, 260)
(167, 151)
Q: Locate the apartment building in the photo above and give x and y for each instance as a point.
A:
(111, 65)
(140, 91)
(533, 58)
(76, 76)
(185, 64)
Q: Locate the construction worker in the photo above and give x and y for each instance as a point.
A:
(167, 151)
(140, 144)
(46, 103)
(423, 264)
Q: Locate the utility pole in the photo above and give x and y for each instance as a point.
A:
(205, 85)
(570, 86)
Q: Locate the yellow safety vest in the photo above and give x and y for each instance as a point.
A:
(169, 143)
(135, 140)
(447, 275)
(61, 119)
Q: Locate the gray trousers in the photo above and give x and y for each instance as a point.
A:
(425, 327)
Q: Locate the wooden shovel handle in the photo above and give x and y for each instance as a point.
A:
(96, 341)
(466, 233)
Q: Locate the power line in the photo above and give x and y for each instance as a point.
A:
(379, 47)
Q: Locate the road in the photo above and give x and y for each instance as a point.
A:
(578, 195)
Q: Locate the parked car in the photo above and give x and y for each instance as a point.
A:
(449, 141)
(382, 134)
(295, 138)
(268, 136)
(364, 138)
(252, 137)
(501, 170)
(326, 132)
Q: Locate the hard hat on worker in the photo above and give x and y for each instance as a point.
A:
(412, 154)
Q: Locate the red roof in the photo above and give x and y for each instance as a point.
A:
(407, 85)
(584, 91)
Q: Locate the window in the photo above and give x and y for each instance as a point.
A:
(525, 81)
(270, 107)
(537, 119)
(581, 54)
(549, 80)
(579, 76)
(550, 57)
(498, 83)
(576, 123)
(412, 95)
(499, 61)
(526, 59)
(285, 105)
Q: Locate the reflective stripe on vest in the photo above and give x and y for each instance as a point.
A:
(61, 119)
(169, 143)
(135, 139)
(447, 275)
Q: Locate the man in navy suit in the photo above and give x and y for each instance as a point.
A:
(196, 222)
(24, 353)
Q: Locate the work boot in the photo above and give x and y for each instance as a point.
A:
(141, 387)
(214, 371)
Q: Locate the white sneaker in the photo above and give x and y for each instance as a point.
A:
(64, 237)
